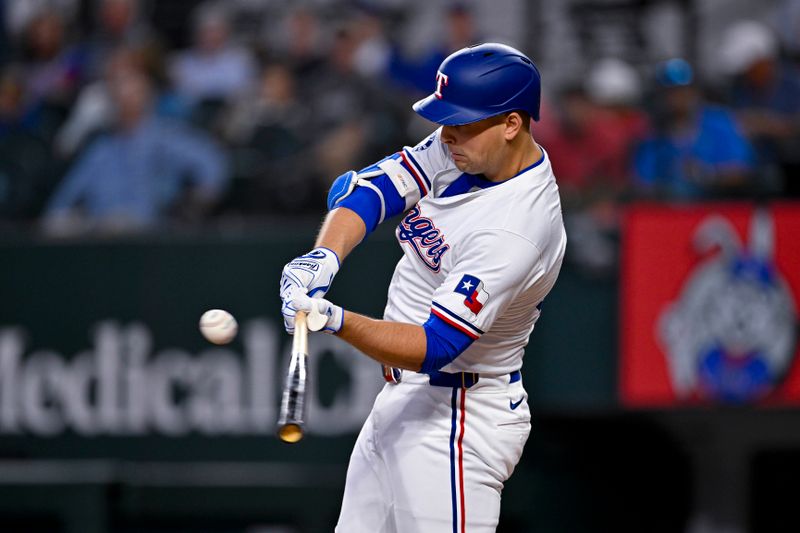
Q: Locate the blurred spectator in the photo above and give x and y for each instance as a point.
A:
(215, 69)
(590, 144)
(575, 144)
(93, 110)
(615, 89)
(614, 85)
(418, 73)
(697, 150)
(5, 40)
(765, 95)
(273, 103)
(343, 108)
(299, 41)
(575, 141)
(54, 70)
(18, 14)
(596, 128)
(374, 50)
(16, 113)
(139, 174)
(786, 19)
(26, 165)
(119, 23)
(270, 136)
(460, 28)
(313, 111)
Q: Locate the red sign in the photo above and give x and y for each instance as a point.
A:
(709, 305)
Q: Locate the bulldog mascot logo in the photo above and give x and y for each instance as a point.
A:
(731, 334)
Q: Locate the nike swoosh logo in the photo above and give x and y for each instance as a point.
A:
(514, 405)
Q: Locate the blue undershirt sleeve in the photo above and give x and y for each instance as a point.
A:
(366, 204)
(444, 344)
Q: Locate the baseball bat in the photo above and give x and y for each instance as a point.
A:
(293, 404)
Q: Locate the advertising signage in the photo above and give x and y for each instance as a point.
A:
(101, 355)
(709, 302)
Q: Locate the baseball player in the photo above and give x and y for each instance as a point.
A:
(483, 240)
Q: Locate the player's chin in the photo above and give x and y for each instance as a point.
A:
(462, 163)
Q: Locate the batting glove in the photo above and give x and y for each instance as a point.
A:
(322, 315)
(312, 272)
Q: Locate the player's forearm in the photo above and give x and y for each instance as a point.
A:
(391, 343)
(341, 231)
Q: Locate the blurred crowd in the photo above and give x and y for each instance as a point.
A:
(110, 123)
(663, 133)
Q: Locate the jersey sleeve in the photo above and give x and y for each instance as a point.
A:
(396, 182)
(426, 161)
(493, 268)
(414, 169)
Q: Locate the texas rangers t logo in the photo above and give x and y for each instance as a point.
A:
(441, 80)
(425, 238)
(472, 288)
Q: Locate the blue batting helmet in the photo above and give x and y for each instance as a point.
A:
(482, 81)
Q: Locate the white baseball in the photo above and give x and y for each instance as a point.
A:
(218, 326)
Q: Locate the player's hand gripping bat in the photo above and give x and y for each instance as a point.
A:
(293, 404)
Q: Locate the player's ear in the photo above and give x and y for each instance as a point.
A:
(513, 124)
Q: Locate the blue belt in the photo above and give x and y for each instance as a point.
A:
(463, 380)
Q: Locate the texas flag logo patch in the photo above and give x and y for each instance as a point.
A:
(472, 288)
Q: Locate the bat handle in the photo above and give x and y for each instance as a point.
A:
(300, 339)
(292, 414)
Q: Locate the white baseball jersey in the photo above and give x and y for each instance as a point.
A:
(481, 260)
(481, 257)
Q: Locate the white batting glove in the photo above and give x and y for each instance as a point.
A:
(312, 272)
(322, 314)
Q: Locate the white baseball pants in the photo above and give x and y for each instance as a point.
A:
(434, 459)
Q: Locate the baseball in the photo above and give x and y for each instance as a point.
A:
(218, 326)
